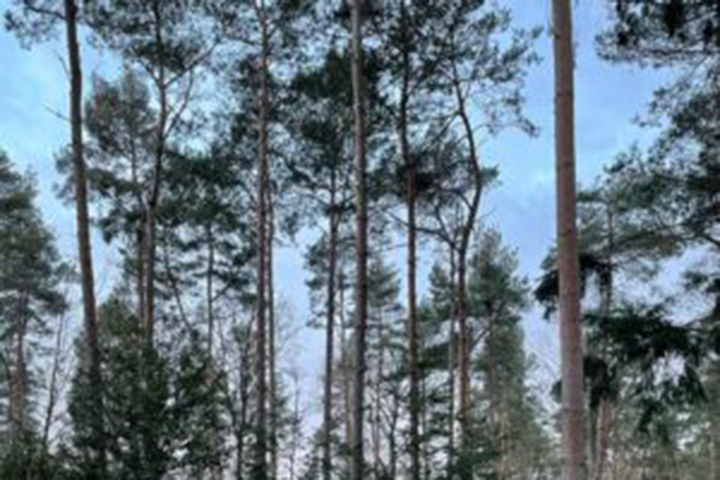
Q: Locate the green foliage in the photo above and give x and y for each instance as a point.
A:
(32, 279)
(162, 411)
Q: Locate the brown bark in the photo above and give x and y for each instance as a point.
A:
(573, 427)
(83, 233)
(330, 333)
(361, 249)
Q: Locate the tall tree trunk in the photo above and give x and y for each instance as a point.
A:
(604, 414)
(345, 360)
(83, 233)
(242, 422)
(261, 446)
(463, 351)
(272, 328)
(376, 424)
(361, 249)
(53, 389)
(154, 195)
(330, 334)
(452, 360)
(573, 427)
(140, 267)
(19, 381)
(210, 290)
(466, 233)
(410, 193)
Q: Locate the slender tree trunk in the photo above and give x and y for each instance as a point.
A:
(602, 434)
(410, 193)
(361, 252)
(573, 427)
(272, 328)
(452, 359)
(53, 386)
(346, 364)
(210, 290)
(330, 334)
(426, 467)
(244, 404)
(260, 471)
(83, 233)
(19, 382)
(465, 236)
(464, 349)
(154, 197)
(377, 407)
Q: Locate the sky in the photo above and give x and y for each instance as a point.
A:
(33, 128)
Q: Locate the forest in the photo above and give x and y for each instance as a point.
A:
(309, 275)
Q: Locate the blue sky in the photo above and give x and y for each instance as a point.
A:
(33, 100)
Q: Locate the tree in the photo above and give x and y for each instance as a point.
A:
(357, 8)
(168, 422)
(516, 441)
(573, 426)
(36, 21)
(30, 297)
(163, 40)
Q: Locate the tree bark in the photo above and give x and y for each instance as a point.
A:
(573, 427)
(330, 334)
(361, 252)
(83, 234)
(261, 447)
(452, 360)
(410, 193)
(466, 233)
(210, 289)
(346, 363)
(272, 328)
(604, 418)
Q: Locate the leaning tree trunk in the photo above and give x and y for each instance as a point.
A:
(92, 343)
(361, 248)
(573, 433)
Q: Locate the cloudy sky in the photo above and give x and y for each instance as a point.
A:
(33, 104)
